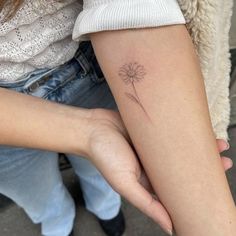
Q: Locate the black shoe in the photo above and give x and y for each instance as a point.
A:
(72, 233)
(114, 226)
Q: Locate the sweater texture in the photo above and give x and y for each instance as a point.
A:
(209, 23)
(41, 30)
(40, 34)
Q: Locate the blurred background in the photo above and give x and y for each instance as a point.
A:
(14, 222)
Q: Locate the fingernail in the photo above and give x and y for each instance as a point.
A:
(169, 231)
(228, 146)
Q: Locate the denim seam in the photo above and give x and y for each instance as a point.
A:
(73, 77)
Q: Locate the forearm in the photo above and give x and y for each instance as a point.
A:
(28, 121)
(169, 125)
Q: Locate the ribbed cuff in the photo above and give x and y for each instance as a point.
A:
(102, 15)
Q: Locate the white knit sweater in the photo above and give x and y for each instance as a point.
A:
(42, 30)
(40, 34)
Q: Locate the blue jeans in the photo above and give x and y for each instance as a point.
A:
(31, 177)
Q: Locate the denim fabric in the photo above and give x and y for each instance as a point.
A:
(31, 177)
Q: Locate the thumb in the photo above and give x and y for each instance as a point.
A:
(138, 196)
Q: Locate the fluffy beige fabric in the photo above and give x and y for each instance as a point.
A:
(208, 22)
(233, 29)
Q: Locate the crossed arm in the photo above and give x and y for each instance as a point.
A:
(156, 80)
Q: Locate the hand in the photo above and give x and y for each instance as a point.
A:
(112, 152)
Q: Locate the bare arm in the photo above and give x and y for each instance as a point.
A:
(32, 122)
(155, 77)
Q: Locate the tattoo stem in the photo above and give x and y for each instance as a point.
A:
(136, 94)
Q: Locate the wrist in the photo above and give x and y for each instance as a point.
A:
(97, 125)
(78, 129)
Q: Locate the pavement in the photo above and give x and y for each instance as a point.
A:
(14, 222)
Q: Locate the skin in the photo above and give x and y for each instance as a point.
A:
(102, 135)
(177, 147)
(91, 126)
(124, 171)
(94, 128)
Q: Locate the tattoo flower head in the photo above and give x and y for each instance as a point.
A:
(132, 72)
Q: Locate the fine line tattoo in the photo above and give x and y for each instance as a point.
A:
(132, 73)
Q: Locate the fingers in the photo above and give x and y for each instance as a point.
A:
(137, 195)
(222, 145)
(227, 163)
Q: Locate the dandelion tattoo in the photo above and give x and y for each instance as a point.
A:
(132, 73)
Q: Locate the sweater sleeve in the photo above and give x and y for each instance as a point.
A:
(102, 15)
